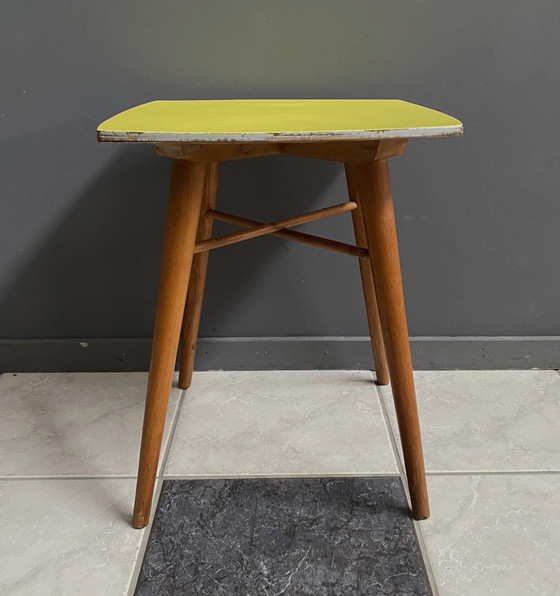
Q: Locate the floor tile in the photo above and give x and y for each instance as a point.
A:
(281, 423)
(305, 537)
(72, 424)
(66, 537)
(488, 420)
(494, 534)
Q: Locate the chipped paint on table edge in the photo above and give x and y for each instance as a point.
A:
(118, 136)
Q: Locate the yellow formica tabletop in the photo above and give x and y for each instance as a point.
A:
(276, 120)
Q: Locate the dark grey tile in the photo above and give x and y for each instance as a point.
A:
(299, 536)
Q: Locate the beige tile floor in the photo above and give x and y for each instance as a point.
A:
(69, 444)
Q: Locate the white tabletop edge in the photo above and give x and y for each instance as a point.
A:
(108, 136)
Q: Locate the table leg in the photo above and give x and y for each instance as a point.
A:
(372, 310)
(376, 203)
(185, 198)
(193, 307)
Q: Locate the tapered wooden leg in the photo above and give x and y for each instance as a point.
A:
(374, 195)
(193, 307)
(374, 322)
(185, 198)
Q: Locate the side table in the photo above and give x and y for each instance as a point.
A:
(198, 135)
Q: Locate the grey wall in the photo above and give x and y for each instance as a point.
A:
(478, 216)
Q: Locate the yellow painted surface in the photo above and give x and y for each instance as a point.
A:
(276, 117)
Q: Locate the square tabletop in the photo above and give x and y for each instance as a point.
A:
(276, 120)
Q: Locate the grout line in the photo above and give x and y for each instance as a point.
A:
(140, 553)
(415, 523)
(139, 560)
(286, 476)
(55, 477)
(495, 473)
(391, 433)
(426, 557)
(289, 475)
(171, 436)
